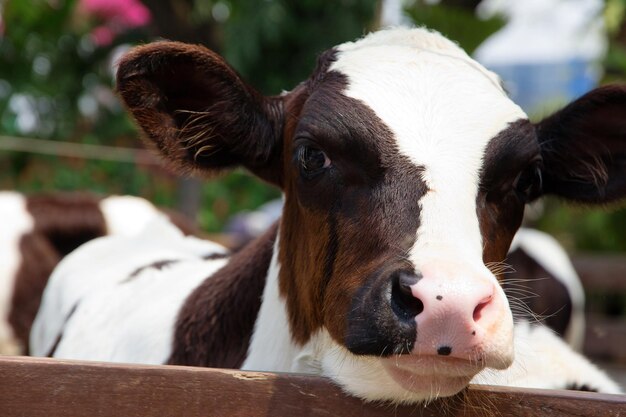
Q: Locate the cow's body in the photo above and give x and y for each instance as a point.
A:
(38, 231)
(405, 170)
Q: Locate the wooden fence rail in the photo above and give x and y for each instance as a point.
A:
(33, 387)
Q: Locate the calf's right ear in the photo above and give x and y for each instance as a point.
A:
(584, 148)
(198, 112)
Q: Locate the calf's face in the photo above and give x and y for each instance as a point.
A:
(386, 204)
(405, 170)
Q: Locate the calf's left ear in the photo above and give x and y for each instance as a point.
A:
(583, 147)
(198, 112)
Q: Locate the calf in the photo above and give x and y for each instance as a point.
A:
(38, 231)
(405, 170)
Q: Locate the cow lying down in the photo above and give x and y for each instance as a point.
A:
(37, 231)
(405, 170)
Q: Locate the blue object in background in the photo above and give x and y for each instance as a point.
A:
(548, 51)
(539, 87)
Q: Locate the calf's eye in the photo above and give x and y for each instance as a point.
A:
(528, 183)
(312, 161)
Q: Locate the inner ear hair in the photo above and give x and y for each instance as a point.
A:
(197, 111)
(584, 147)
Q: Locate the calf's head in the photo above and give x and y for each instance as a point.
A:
(405, 170)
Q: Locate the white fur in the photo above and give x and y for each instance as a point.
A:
(16, 222)
(443, 109)
(272, 347)
(89, 278)
(544, 360)
(366, 377)
(548, 253)
(126, 215)
(108, 325)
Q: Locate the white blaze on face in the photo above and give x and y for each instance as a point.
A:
(16, 221)
(443, 109)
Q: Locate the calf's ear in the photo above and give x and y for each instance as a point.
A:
(584, 148)
(198, 112)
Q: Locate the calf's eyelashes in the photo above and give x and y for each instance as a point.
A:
(311, 160)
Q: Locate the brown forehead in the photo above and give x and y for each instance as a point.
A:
(294, 100)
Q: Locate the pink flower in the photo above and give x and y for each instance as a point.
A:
(130, 13)
(116, 15)
(102, 35)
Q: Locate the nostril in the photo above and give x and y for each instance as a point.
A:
(405, 281)
(479, 308)
(404, 304)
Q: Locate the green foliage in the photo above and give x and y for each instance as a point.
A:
(458, 24)
(583, 229)
(49, 64)
(615, 63)
(235, 192)
(274, 44)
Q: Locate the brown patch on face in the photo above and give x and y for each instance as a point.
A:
(499, 208)
(216, 321)
(351, 226)
(62, 222)
(552, 301)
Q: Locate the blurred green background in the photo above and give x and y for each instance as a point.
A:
(56, 60)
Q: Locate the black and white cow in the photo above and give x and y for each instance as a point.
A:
(38, 230)
(541, 282)
(405, 170)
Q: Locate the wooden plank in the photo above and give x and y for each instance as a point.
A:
(601, 272)
(33, 387)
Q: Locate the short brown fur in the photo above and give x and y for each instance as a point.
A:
(216, 321)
